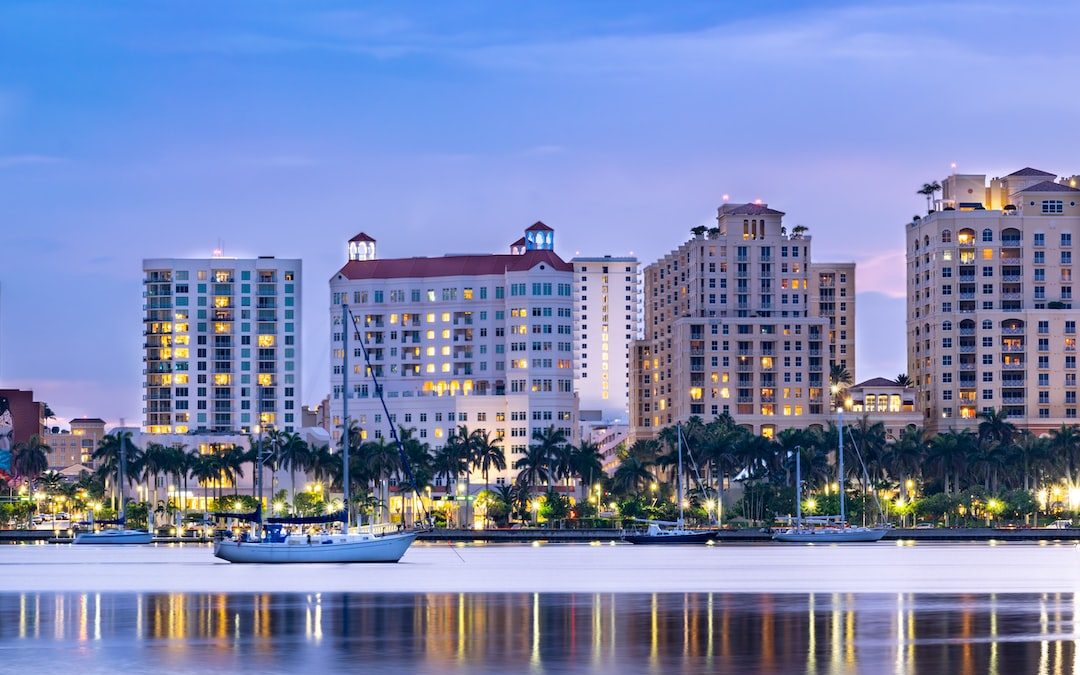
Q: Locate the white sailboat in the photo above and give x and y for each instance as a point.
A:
(348, 547)
(668, 532)
(825, 529)
(119, 535)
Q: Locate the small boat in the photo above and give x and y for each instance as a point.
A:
(676, 532)
(121, 535)
(825, 529)
(272, 545)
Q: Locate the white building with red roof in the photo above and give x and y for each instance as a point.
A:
(481, 341)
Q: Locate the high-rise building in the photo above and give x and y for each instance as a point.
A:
(605, 323)
(482, 341)
(77, 445)
(222, 345)
(990, 319)
(739, 320)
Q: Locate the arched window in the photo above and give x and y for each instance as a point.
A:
(987, 324)
(946, 236)
(946, 325)
(988, 235)
(966, 236)
(926, 240)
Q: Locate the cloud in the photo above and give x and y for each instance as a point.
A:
(12, 161)
(885, 273)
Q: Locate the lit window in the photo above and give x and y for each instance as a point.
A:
(266, 340)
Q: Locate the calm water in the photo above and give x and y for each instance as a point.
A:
(539, 633)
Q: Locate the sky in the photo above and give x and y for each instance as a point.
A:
(131, 130)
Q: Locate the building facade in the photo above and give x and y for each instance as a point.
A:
(990, 319)
(881, 400)
(605, 323)
(77, 445)
(482, 341)
(222, 344)
(740, 320)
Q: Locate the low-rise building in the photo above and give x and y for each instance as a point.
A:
(882, 400)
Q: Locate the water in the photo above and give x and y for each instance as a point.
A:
(539, 633)
(548, 608)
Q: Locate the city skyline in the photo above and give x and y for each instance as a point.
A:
(620, 128)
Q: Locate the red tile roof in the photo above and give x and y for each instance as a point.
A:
(1028, 171)
(361, 237)
(539, 226)
(451, 265)
(751, 210)
(519, 242)
(1050, 186)
(876, 382)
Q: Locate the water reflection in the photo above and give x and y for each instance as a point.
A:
(823, 633)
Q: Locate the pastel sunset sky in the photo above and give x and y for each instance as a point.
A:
(135, 129)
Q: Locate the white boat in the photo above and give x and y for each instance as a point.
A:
(319, 548)
(273, 546)
(120, 535)
(825, 529)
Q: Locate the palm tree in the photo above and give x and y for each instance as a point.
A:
(904, 381)
(324, 464)
(205, 470)
(949, 453)
(904, 458)
(995, 427)
(154, 461)
(1065, 441)
(30, 459)
(699, 230)
(488, 454)
(839, 380)
(534, 467)
(928, 190)
(550, 443)
(292, 454)
(586, 463)
(632, 475)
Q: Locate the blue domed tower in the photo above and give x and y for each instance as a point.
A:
(539, 237)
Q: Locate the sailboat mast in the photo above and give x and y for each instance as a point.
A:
(120, 473)
(346, 328)
(678, 478)
(798, 487)
(840, 460)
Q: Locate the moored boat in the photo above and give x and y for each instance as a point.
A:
(121, 535)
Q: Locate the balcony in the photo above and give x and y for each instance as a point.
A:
(1011, 278)
(968, 349)
(1012, 349)
(966, 366)
(969, 278)
(967, 331)
(1012, 366)
(1007, 330)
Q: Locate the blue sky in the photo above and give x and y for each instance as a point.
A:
(133, 129)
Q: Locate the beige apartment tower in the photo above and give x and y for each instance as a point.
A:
(990, 318)
(740, 320)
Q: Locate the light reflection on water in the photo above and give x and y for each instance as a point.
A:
(541, 633)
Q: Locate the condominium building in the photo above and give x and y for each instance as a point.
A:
(222, 344)
(990, 319)
(75, 446)
(605, 323)
(484, 341)
(740, 320)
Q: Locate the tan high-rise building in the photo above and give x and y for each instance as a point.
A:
(738, 320)
(77, 446)
(990, 319)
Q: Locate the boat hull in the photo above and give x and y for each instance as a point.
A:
(838, 537)
(385, 549)
(694, 538)
(114, 537)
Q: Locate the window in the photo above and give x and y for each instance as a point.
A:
(1040, 239)
(988, 235)
(946, 236)
(1053, 206)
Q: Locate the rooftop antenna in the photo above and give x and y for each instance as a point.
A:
(219, 250)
